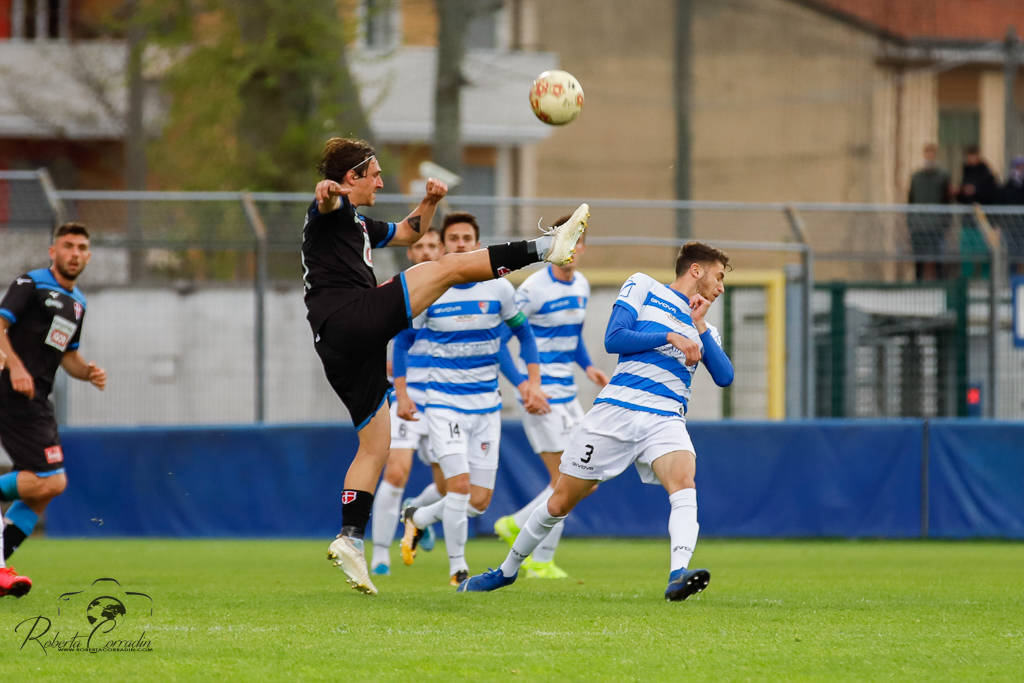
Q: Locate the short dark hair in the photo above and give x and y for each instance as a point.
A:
(71, 228)
(972, 149)
(698, 252)
(342, 155)
(460, 217)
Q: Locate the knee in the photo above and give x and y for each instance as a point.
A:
(43, 489)
(459, 484)
(480, 500)
(396, 475)
(558, 506)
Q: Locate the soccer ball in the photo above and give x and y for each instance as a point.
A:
(556, 97)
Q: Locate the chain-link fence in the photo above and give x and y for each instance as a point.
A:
(195, 300)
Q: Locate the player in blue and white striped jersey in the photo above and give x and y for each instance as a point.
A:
(660, 335)
(407, 436)
(462, 334)
(554, 301)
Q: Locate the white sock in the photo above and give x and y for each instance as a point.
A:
(455, 529)
(683, 527)
(533, 532)
(427, 496)
(545, 552)
(473, 512)
(544, 244)
(523, 513)
(384, 520)
(427, 515)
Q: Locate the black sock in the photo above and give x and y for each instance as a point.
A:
(512, 256)
(355, 512)
(13, 536)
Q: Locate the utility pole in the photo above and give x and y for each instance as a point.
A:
(683, 97)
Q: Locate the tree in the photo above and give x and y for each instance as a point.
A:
(454, 17)
(262, 85)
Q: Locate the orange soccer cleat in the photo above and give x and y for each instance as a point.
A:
(11, 583)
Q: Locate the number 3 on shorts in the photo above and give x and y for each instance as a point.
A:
(590, 452)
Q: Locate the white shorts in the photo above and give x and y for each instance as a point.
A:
(549, 433)
(466, 442)
(610, 438)
(411, 434)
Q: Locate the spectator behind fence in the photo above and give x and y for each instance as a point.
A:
(978, 185)
(1012, 226)
(928, 232)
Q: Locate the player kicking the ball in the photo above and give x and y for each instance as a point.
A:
(660, 335)
(352, 318)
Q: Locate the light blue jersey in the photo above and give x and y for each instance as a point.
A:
(555, 311)
(656, 380)
(457, 344)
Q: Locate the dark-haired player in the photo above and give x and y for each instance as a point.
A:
(41, 318)
(352, 318)
(639, 417)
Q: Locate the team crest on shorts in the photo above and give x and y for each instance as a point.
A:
(485, 445)
(347, 497)
(54, 454)
(502, 271)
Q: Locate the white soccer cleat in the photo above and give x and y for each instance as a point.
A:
(347, 554)
(565, 236)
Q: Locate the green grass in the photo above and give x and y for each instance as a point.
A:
(782, 610)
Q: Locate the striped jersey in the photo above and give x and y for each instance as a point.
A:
(417, 373)
(656, 380)
(458, 342)
(555, 310)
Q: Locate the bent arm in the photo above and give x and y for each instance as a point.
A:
(620, 337)
(716, 360)
(79, 368)
(409, 230)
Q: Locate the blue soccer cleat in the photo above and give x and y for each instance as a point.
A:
(381, 570)
(429, 538)
(682, 583)
(490, 580)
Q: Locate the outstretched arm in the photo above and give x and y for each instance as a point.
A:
(410, 229)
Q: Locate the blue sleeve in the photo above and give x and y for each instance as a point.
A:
(508, 365)
(715, 360)
(527, 344)
(582, 357)
(400, 355)
(620, 337)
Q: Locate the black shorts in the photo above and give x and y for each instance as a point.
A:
(31, 441)
(352, 345)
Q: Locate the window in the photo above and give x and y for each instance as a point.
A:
(380, 21)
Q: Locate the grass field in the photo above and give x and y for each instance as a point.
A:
(276, 610)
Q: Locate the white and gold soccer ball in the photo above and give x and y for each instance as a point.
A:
(556, 97)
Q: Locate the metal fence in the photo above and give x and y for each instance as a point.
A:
(833, 310)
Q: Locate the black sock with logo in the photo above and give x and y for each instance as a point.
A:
(13, 537)
(512, 256)
(355, 512)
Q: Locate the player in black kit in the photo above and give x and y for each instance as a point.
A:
(41, 318)
(352, 318)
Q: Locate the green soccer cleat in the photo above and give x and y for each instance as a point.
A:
(543, 570)
(507, 529)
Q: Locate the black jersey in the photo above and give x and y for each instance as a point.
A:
(336, 256)
(46, 321)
